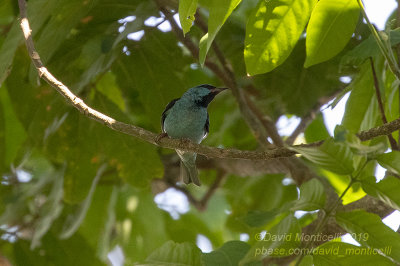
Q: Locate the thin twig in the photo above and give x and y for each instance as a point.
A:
(201, 205)
(212, 189)
(392, 141)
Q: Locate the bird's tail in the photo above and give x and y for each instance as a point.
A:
(188, 168)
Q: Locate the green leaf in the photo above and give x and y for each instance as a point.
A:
(362, 107)
(331, 26)
(387, 190)
(219, 12)
(335, 157)
(277, 242)
(339, 253)
(14, 132)
(340, 183)
(187, 10)
(316, 130)
(390, 161)
(272, 31)
(312, 196)
(229, 254)
(172, 253)
(369, 230)
(107, 85)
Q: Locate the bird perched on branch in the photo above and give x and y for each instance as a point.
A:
(187, 118)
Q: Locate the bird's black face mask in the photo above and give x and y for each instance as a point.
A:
(206, 99)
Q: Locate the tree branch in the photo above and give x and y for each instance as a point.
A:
(168, 143)
(201, 204)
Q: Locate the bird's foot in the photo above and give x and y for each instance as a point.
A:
(160, 136)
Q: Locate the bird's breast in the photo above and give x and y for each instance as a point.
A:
(182, 122)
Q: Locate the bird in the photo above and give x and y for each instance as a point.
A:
(187, 118)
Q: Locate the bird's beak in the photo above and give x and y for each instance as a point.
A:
(215, 91)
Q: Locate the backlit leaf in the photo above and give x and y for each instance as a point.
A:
(330, 28)
(272, 31)
(187, 9)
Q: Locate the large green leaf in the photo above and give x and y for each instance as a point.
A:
(343, 254)
(187, 9)
(219, 12)
(312, 196)
(172, 253)
(330, 28)
(387, 190)
(335, 157)
(369, 230)
(272, 32)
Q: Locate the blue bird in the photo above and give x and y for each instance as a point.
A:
(187, 118)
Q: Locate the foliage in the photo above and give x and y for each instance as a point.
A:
(73, 190)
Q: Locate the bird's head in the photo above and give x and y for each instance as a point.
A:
(202, 95)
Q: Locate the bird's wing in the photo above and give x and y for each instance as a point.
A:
(206, 126)
(164, 113)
